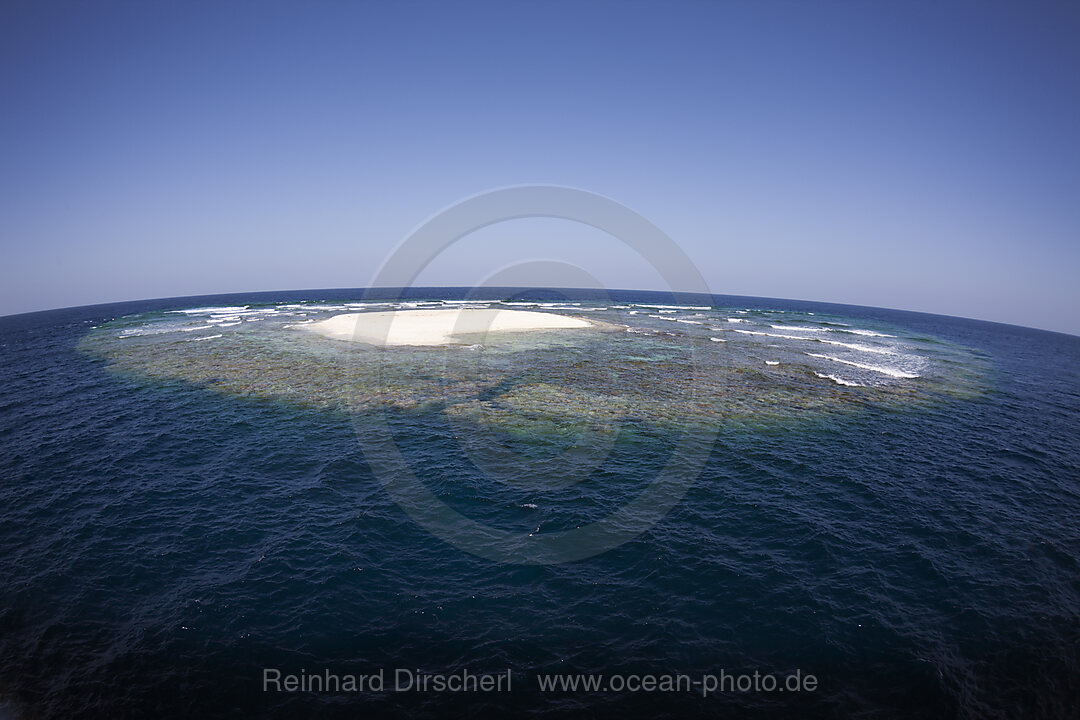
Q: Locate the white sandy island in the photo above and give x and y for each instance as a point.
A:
(437, 327)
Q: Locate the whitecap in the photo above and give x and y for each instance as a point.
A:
(883, 369)
(775, 335)
(867, 333)
(838, 380)
(797, 327)
(857, 346)
(146, 330)
(851, 346)
(211, 310)
(672, 307)
(327, 308)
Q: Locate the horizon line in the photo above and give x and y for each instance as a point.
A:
(511, 287)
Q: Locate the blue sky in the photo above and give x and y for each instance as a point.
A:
(922, 156)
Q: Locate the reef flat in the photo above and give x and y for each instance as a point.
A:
(657, 365)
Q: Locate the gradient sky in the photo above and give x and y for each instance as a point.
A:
(896, 154)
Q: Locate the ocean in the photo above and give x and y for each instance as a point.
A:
(196, 521)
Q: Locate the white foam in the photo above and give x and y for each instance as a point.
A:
(839, 380)
(883, 369)
(472, 302)
(328, 308)
(797, 327)
(850, 346)
(422, 304)
(857, 346)
(672, 307)
(212, 310)
(718, 339)
(775, 335)
(772, 362)
(200, 327)
(688, 322)
(236, 313)
(737, 320)
(867, 333)
(207, 337)
(146, 330)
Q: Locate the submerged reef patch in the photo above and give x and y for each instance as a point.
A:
(635, 366)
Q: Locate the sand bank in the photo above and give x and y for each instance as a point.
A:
(437, 327)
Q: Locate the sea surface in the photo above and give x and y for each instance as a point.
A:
(190, 502)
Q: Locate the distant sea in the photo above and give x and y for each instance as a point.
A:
(171, 535)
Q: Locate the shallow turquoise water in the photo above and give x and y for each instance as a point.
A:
(167, 535)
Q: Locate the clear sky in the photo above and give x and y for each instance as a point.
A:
(923, 156)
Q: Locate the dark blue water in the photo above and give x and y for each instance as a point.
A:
(162, 544)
